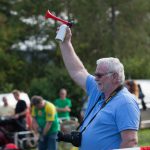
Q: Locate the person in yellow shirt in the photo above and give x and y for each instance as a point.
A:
(45, 122)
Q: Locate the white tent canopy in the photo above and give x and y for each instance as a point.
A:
(11, 100)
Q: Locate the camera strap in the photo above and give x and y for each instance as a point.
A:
(103, 105)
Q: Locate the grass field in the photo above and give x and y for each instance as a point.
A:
(144, 137)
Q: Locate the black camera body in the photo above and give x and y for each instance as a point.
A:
(74, 138)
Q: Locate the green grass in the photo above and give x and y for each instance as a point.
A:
(144, 137)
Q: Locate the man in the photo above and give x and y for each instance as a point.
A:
(45, 121)
(6, 110)
(114, 119)
(63, 105)
(20, 111)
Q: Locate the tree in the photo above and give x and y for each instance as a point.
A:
(112, 28)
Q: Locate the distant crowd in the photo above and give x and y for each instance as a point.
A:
(42, 116)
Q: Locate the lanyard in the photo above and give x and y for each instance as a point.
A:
(103, 105)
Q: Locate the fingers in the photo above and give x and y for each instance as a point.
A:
(63, 33)
(68, 30)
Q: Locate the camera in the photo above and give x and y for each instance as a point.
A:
(74, 138)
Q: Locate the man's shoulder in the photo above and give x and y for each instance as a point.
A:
(91, 85)
(22, 101)
(49, 105)
(90, 78)
(126, 97)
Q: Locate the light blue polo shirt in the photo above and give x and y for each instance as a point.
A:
(121, 113)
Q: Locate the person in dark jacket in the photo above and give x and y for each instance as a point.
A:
(20, 111)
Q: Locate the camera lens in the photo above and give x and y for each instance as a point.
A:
(64, 137)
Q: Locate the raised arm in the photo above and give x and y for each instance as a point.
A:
(72, 62)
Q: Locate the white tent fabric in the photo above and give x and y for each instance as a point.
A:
(11, 100)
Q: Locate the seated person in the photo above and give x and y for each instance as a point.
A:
(6, 109)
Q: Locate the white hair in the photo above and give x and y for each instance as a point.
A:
(113, 65)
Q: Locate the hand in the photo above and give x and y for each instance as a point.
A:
(16, 116)
(68, 35)
(67, 109)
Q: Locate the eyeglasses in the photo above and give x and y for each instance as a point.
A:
(100, 75)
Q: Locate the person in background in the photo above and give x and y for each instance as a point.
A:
(45, 122)
(132, 87)
(141, 97)
(63, 105)
(20, 111)
(112, 116)
(6, 109)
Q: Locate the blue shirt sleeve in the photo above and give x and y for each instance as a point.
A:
(92, 90)
(90, 84)
(127, 116)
